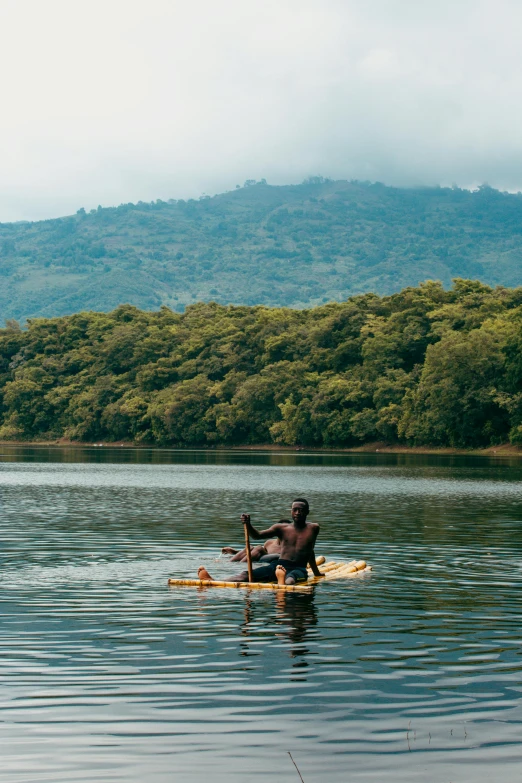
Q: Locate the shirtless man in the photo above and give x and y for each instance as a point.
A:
(297, 549)
(265, 553)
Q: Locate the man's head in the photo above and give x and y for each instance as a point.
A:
(300, 509)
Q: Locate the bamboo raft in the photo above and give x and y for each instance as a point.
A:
(332, 570)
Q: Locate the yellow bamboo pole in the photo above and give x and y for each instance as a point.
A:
(333, 570)
(303, 588)
(319, 562)
(248, 554)
(340, 572)
(329, 567)
(348, 575)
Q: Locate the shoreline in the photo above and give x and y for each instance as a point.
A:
(502, 450)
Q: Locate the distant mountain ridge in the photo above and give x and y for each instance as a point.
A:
(295, 245)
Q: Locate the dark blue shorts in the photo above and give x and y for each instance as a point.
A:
(266, 573)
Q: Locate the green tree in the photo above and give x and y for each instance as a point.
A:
(454, 403)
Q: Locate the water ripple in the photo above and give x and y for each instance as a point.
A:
(411, 672)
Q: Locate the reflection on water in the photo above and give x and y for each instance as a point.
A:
(294, 619)
(411, 672)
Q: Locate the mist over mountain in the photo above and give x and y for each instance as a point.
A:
(295, 245)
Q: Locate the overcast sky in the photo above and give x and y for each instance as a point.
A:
(111, 101)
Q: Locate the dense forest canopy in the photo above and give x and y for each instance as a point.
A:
(423, 366)
(292, 246)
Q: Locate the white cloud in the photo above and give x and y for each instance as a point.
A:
(381, 64)
(120, 100)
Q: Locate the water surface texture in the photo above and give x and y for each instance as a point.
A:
(412, 672)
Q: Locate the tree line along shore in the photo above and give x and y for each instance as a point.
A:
(423, 367)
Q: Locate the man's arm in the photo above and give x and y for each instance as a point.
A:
(271, 532)
(313, 565)
(311, 560)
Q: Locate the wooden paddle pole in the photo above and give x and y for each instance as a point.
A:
(247, 550)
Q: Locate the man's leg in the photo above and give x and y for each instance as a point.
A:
(256, 553)
(265, 573)
(285, 577)
(261, 574)
(204, 574)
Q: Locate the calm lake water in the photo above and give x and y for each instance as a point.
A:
(410, 673)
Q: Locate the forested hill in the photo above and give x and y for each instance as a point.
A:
(425, 366)
(294, 246)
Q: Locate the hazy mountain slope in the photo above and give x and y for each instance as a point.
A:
(293, 245)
